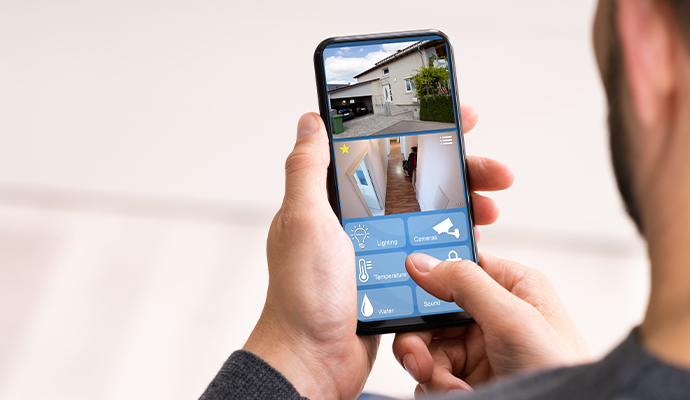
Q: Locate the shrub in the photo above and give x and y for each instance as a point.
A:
(430, 80)
(436, 108)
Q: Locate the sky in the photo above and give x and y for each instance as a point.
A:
(343, 63)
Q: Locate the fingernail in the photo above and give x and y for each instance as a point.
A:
(410, 365)
(306, 126)
(423, 262)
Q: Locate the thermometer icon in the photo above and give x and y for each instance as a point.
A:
(363, 267)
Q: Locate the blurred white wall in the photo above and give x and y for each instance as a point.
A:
(142, 146)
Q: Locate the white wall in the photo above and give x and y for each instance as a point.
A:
(428, 53)
(438, 166)
(352, 206)
(399, 69)
(377, 99)
(131, 255)
(373, 74)
(384, 151)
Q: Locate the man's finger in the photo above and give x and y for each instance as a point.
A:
(510, 275)
(469, 117)
(419, 392)
(412, 352)
(487, 174)
(466, 284)
(306, 166)
(484, 209)
(532, 287)
(444, 381)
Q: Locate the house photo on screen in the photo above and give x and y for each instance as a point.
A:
(388, 88)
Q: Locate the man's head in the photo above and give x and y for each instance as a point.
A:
(642, 52)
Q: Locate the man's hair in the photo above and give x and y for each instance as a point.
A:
(681, 11)
(619, 135)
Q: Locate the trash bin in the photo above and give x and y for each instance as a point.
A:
(337, 124)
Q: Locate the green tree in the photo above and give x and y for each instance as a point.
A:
(429, 80)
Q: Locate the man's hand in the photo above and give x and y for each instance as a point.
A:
(307, 328)
(521, 325)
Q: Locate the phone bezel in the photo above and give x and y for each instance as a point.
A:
(432, 321)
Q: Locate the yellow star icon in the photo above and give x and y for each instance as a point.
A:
(345, 149)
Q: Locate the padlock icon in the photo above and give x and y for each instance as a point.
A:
(453, 256)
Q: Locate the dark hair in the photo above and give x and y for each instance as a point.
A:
(619, 135)
(619, 131)
(681, 12)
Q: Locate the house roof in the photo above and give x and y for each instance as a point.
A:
(392, 57)
(334, 86)
(351, 86)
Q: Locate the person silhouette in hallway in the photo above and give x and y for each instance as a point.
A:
(411, 164)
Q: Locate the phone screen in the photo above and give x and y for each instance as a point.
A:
(398, 162)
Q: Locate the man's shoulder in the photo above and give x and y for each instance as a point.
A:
(628, 372)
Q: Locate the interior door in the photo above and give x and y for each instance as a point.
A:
(365, 184)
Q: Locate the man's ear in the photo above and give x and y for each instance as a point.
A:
(647, 40)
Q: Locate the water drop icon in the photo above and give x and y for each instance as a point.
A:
(367, 308)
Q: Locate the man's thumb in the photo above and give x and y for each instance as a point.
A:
(464, 283)
(306, 166)
(307, 125)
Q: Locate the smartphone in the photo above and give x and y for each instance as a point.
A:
(397, 178)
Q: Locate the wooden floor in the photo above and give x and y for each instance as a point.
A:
(400, 196)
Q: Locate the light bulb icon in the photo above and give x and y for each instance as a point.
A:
(364, 265)
(367, 308)
(360, 234)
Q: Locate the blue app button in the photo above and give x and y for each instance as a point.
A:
(377, 304)
(452, 253)
(432, 229)
(375, 269)
(382, 234)
(428, 304)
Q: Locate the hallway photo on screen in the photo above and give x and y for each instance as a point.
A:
(399, 175)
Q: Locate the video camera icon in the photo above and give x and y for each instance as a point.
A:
(445, 226)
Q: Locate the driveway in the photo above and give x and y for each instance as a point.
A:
(374, 124)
